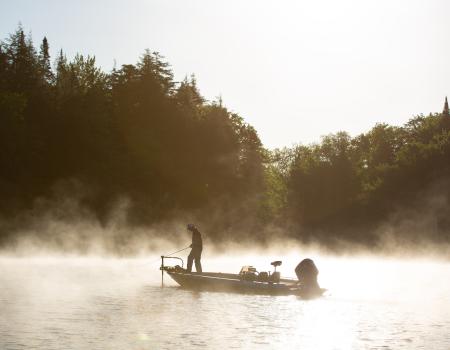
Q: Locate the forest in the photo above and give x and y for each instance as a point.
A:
(135, 135)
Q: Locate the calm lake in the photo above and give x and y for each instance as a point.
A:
(107, 303)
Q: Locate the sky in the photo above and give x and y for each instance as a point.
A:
(295, 70)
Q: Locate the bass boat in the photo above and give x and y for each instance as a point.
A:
(248, 281)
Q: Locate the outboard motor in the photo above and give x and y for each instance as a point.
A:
(307, 273)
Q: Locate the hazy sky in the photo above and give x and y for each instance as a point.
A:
(295, 70)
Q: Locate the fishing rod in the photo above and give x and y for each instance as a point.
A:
(152, 262)
(178, 251)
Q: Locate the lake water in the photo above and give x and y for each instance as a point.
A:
(107, 303)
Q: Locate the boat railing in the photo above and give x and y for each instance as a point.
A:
(171, 257)
(163, 267)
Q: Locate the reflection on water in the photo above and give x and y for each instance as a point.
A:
(89, 303)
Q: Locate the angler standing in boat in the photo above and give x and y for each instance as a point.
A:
(197, 247)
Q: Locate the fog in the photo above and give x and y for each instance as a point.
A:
(72, 281)
(87, 237)
(63, 226)
(84, 302)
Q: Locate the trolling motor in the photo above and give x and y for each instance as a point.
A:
(165, 268)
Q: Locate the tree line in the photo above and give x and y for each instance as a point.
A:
(67, 128)
(351, 188)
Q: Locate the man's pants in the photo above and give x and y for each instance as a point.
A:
(195, 255)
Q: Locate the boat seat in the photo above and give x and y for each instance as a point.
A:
(263, 276)
(276, 263)
(275, 277)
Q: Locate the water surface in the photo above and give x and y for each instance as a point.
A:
(105, 303)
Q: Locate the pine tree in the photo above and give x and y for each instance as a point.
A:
(45, 69)
(445, 112)
(23, 61)
(62, 83)
(3, 68)
(152, 65)
(188, 97)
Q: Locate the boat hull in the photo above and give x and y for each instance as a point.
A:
(232, 283)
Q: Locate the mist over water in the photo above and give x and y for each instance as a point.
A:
(91, 302)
